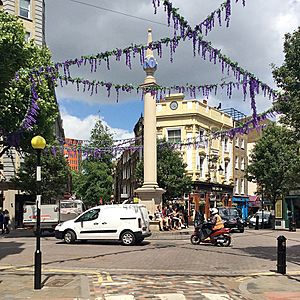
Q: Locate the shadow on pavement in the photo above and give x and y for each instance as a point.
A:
(270, 253)
(10, 248)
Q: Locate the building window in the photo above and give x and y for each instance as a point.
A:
(226, 170)
(243, 163)
(174, 135)
(25, 8)
(201, 166)
(242, 143)
(242, 186)
(201, 135)
(226, 144)
(236, 186)
(237, 142)
(27, 36)
(236, 162)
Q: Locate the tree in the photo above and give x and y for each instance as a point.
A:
(275, 162)
(287, 78)
(54, 175)
(16, 55)
(171, 173)
(96, 179)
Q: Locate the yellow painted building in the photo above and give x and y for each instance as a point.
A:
(32, 14)
(190, 123)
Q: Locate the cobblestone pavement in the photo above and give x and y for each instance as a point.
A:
(64, 284)
(163, 287)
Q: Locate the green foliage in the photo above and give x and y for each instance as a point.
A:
(287, 78)
(18, 55)
(96, 179)
(171, 173)
(54, 175)
(275, 162)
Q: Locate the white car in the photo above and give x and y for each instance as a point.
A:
(128, 223)
(266, 215)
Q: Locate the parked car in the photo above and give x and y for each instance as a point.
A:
(232, 218)
(261, 214)
(128, 223)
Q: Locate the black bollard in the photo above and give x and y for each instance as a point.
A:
(257, 222)
(281, 255)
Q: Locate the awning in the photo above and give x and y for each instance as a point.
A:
(254, 201)
(240, 199)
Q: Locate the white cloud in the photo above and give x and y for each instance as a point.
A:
(80, 129)
(286, 23)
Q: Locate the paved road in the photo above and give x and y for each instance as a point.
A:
(251, 252)
(164, 267)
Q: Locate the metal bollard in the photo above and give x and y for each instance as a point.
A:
(257, 222)
(281, 254)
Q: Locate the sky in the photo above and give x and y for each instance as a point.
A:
(84, 27)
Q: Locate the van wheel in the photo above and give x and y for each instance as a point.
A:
(127, 238)
(69, 237)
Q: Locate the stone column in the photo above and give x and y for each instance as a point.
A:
(150, 193)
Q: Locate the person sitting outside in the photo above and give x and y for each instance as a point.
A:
(216, 220)
(158, 215)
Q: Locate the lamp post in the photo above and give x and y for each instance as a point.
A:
(38, 143)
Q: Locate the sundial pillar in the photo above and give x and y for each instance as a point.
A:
(150, 193)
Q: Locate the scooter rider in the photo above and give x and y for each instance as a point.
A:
(216, 220)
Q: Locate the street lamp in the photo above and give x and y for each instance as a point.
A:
(38, 143)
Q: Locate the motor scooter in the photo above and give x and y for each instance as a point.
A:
(204, 234)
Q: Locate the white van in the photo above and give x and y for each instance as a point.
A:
(128, 223)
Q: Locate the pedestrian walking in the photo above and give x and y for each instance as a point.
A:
(1, 221)
(6, 221)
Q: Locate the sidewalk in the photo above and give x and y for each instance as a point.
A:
(88, 284)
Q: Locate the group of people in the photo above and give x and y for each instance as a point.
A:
(171, 217)
(4, 220)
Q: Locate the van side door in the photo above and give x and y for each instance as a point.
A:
(88, 226)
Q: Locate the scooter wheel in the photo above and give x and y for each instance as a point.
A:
(195, 240)
(227, 241)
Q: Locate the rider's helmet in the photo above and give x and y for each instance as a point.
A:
(213, 211)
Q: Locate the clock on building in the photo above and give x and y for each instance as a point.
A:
(173, 105)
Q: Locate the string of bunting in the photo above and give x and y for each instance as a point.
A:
(134, 49)
(179, 23)
(204, 49)
(254, 83)
(92, 87)
(245, 128)
(86, 151)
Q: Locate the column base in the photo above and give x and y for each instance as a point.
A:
(150, 197)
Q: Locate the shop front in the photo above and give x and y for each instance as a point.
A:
(206, 195)
(242, 203)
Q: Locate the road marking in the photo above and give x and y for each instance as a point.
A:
(108, 277)
(171, 296)
(119, 297)
(198, 282)
(113, 283)
(216, 296)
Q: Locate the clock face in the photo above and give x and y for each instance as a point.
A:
(173, 105)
